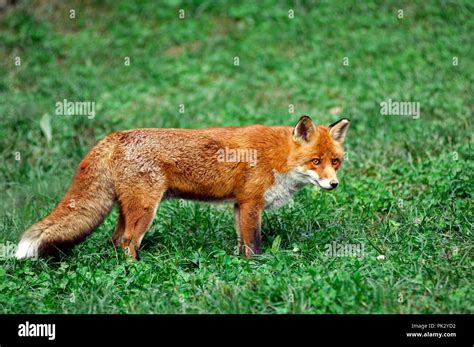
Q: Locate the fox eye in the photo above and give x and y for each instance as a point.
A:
(316, 161)
(335, 161)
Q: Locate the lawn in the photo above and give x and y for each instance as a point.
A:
(405, 196)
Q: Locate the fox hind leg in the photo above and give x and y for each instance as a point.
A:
(119, 230)
(138, 211)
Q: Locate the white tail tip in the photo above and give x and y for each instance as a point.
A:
(27, 248)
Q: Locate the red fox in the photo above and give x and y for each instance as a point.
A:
(255, 167)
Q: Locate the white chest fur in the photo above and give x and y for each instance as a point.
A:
(285, 185)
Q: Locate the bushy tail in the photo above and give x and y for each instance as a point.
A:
(81, 210)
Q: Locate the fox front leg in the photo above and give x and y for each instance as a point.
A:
(240, 244)
(250, 219)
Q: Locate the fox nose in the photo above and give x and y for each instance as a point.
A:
(333, 184)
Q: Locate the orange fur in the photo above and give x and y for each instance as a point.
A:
(138, 168)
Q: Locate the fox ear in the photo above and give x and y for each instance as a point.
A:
(303, 130)
(338, 130)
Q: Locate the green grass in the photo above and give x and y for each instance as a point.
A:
(406, 189)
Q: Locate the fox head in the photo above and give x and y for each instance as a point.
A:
(317, 152)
